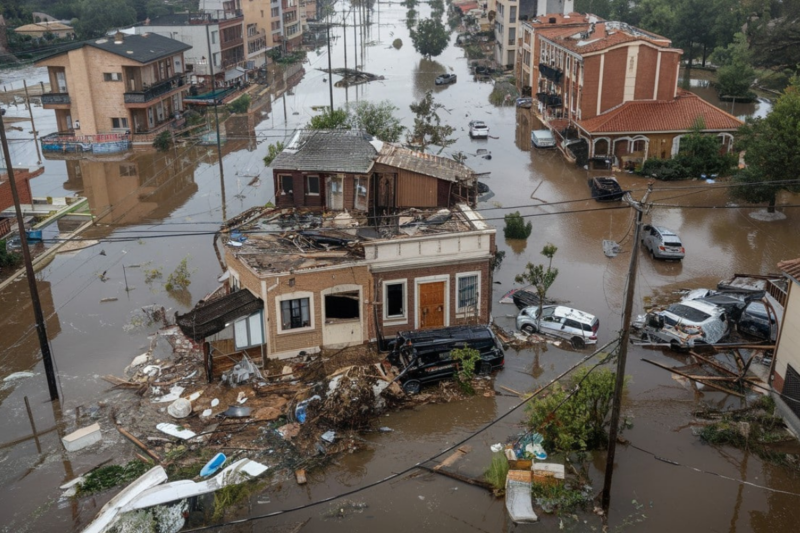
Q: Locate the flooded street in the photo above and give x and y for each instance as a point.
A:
(155, 209)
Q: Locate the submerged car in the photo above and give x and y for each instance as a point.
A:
(757, 322)
(543, 139)
(478, 129)
(445, 79)
(578, 327)
(605, 189)
(526, 102)
(685, 324)
(663, 243)
(424, 356)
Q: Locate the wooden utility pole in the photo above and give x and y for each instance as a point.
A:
(44, 343)
(33, 125)
(623, 352)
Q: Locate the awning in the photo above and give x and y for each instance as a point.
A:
(206, 319)
(234, 73)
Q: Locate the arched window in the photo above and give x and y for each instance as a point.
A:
(601, 147)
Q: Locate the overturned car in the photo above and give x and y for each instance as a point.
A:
(685, 324)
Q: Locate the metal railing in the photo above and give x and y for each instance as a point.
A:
(155, 91)
(55, 99)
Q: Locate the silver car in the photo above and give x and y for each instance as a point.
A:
(663, 243)
(564, 322)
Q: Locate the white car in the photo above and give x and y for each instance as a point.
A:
(685, 324)
(577, 327)
(543, 139)
(478, 129)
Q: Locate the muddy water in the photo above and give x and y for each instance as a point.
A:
(156, 209)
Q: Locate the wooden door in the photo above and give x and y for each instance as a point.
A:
(431, 305)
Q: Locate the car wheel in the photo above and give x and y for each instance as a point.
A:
(485, 369)
(675, 346)
(529, 329)
(412, 387)
(578, 343)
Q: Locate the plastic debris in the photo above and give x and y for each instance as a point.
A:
(300, 410)
(174, 394)
(180, 408)
(213, 465)
(496, 447)
(329, 436)
(237, 412)
(206, 413)
(214, 402)
(175, 431)
(82, 438)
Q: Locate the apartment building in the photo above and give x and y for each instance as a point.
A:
(508, 16)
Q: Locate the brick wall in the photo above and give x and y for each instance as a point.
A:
(668, 77)
(614, 69)
(646, 73)
(22, 179)
(591, 80)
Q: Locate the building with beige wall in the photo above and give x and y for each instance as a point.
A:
(116, 86)
(786, 371)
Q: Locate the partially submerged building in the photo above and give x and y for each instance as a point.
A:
(786, 367)
(349, 169)
(610, 90)
(334, 280)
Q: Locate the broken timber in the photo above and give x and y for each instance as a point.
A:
(695, 378)
(449, 461)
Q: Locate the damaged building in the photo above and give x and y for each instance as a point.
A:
(302, 281)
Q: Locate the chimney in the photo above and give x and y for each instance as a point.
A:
(119, 37)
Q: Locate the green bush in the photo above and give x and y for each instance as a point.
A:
(516, 228)
(240, 105)
(163, 141)
(466, 359)
(497, 472)
(8, 259)
(664, 169)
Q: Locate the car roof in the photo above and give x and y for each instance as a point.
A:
(478, 123)
(662, 230)
(542, 133)
(568, 312)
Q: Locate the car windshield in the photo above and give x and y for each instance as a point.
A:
(689, 313)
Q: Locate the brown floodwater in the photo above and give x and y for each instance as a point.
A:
(154, 209)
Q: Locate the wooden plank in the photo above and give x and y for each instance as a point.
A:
(471, 481)
(125, 433)
(453, 457)
(717, 387)
(300, 474)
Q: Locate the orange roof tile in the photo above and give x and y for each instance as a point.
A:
(791, 268)
(654, 115)
(587, 38)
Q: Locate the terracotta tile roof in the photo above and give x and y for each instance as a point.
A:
(791, 268)
(653, 115)
(587, 38)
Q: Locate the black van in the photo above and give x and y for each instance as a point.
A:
(424, 356)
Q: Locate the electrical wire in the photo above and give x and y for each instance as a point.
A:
(410, 469)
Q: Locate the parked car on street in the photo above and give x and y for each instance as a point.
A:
(543, 139)
(526, 102)
(578, 327)
(424, 356)
(662, 243)
(686, 324)
(605, 189)
(757, 322)
(445, 79)
(478, 129)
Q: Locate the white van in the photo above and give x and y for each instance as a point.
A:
(543, 139)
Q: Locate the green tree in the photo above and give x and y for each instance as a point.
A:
(466, 360)
(272, 152)
(96, 17)
(240, 105)
(575, 417)
(774, 34)
(735, 76)
(430, 37)
(515, 227)
(691, 27)
(772, 152)
(428, 127)
(163, 141)
(8, 259)
(329, 120)
(377, 119)
(540, 278)
(700, 153)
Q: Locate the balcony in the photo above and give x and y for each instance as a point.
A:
(549, 100)
(551, 73)
(55, 99)
(107, 143)
(160, 89)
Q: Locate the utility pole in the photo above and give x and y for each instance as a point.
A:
(47, 358)
(330, 68)
(216, 116)
(623, 352)
(33, 126)
(344, 33)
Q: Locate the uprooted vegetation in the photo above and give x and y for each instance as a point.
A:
(756, 429)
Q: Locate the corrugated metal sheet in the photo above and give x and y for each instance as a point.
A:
(430, 165)
(791, 268)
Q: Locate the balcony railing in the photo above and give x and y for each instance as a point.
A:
(551, 73)
(549, 100)
(155, 91)
(55, 99)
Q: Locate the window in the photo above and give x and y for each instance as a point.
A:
(127, 169)
(275, 12)
(119, 123)
(295, 314)
(213, 37)
(287, 184)
(312, 185)
(513, 14)
(249, 331)
(638, 146)
(467, 292)
(112, 76)
(394, 300)
(342, 306)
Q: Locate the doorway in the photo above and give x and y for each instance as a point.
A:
(431, 306)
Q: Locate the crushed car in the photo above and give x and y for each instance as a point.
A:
(685, 324)
(578, 327)
(422, 357)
